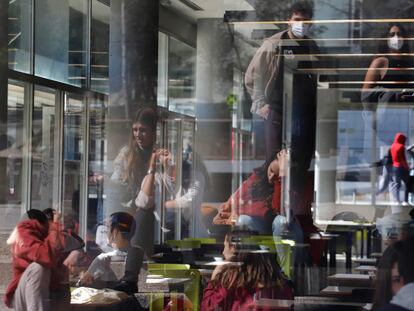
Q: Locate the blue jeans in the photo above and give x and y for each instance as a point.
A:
(254, 223)
(399, 174)
(280, 229)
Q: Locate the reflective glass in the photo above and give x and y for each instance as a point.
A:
(181, 77)
(73, 153)
(61, 54)
(19, 35)
(100, 46)
(45, 176)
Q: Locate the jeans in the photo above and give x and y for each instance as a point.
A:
(280, 228)
(399, 174)
(32, 293)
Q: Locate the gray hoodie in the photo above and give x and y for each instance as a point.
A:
(405, 297)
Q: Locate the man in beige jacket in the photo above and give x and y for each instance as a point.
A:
(264, 81)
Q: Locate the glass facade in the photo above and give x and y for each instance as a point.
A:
(291, 122)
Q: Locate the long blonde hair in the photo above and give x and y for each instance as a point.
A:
(136, 159)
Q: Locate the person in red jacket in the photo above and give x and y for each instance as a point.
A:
(249, 274)
(36, 248)
(400, 169)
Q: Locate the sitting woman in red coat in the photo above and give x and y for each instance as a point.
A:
(249, 274)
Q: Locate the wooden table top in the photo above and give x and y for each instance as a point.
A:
(279, 304)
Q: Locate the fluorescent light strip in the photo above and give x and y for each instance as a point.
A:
(369, 82)
(352, 69)
(332, 21)
(351, 54)
(349, 39)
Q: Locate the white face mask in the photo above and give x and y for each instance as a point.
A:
(299, 29)
(395, 43)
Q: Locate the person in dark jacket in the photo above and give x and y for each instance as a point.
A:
(402, 278)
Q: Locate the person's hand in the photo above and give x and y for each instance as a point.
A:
(176, 302)
(264, 111)
(170, 204)
(164, 156)
(56, 216)
(86, 278)
(217, 270)
(282, 158)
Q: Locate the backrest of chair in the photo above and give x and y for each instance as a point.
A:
(167, 266)
(192, 288)
(202, 240)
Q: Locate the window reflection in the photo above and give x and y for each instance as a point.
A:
(44, 175)
(19, 35)
(181, 77)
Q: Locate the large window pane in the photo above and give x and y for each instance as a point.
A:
(162, 87)
(19, 35)
(97, 162)
(61, 54)
(181, 77)
(100, 46)
(11, 158)
(44, 175)
(73, 154)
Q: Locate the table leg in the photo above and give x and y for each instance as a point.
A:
(362, 242)
(332, 252)
(348, 252)
(369, 241)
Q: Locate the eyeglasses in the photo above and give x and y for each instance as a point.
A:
(394, 33)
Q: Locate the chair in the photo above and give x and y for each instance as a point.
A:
(283, 249)
(191, 289)
(167, 266)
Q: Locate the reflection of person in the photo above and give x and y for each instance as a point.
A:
(400, 169)
(133, 184)
(386, 78)
(257, 201)
(402, 278)
(264, 76)
(250, 274)
(265, 82)
(36, 248)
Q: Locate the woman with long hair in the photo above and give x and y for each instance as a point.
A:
(384, 283)
(248, 275)
(388, 75)
(386, 83)
(134, 187)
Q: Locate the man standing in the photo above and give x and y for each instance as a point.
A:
(400, 169)
(264, 81)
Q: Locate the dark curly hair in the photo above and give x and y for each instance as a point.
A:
(303, 7)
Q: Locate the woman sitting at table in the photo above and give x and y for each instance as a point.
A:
(250, 274)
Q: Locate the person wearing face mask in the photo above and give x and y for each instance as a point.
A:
(265, 73)
(386, 80)
(264, 81)
(385, 84)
